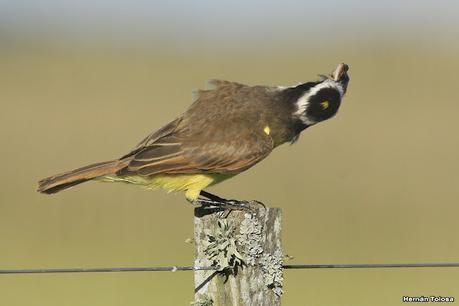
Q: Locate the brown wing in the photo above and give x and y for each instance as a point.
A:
(153, 137)
(169, 155)
(216, 135)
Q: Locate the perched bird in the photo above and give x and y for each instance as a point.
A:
(226, 131)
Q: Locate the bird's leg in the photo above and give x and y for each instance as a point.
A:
(211, 196)
(218, 202)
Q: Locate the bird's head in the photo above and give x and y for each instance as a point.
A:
(319, 101)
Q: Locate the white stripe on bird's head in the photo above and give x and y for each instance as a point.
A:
(322, 94)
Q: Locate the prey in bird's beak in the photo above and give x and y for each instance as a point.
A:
(340, 76)
(339, 73)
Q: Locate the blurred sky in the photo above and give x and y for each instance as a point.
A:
(226, 24)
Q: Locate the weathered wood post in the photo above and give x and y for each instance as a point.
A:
(246, 248)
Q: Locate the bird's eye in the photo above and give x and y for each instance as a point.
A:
(325, 104)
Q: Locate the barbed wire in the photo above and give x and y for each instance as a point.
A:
(191, 268)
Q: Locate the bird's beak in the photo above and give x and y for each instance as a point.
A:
(340, 72)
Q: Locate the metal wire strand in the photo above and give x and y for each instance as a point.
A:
(190, 268)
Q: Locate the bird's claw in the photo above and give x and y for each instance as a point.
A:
(210, 203)
(225, 207)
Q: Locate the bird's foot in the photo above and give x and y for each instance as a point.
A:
(224, 204)
(210, 203)
(245, 204)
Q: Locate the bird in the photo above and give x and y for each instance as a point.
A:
(229, 128)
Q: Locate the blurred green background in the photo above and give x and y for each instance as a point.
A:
(82, 82)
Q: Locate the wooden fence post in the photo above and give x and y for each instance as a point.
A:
(247, 249)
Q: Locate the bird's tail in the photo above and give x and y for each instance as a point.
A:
(68, 179)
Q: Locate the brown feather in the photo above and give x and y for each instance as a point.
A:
(68, 179)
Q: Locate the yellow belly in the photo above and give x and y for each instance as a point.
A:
(191, 184)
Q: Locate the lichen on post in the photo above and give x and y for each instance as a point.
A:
(245, 247)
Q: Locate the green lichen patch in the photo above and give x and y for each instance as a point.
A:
(221, 248)
(249, 239)
(204, 300)
(273, 276)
